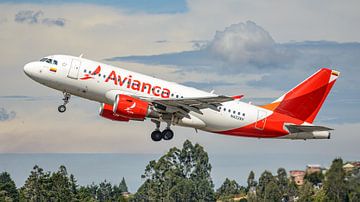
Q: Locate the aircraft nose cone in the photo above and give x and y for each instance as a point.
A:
(27, 69)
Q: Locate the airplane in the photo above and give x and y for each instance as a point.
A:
(129, 96)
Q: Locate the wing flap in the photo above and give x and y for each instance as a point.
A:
(302, 128)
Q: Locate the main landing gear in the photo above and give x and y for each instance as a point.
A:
(166, 134)
(62, 108)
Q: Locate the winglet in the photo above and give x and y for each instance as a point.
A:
(237, 97)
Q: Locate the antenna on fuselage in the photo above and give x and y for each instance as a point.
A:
(212, 91)
(81, 55)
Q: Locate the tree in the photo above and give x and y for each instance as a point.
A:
(272, 192)
(35, 186)
(104, 192)
(265, 178)
(251, 181)
(60, 186)
(122, 186)
(315, 178)
(353, 185)
(87, 193)
(178, 170)
(282, 181)
(8, 190)
(334, 186)
(73, 186)
(306, 192)
(228, 190)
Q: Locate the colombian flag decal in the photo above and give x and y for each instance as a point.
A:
(53, 69)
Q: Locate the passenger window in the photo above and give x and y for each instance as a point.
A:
(224, 109)
(177, 96)
(239, 113)
(234, 112)
(243, 114)
(230, 110)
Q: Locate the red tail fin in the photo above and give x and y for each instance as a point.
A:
(305, 100)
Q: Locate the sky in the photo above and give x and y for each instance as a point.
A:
(259, 49)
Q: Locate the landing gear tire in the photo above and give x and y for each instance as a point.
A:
(167, 134)
(156, 136)
(62, 108)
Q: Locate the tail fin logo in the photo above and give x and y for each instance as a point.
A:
(92, 74)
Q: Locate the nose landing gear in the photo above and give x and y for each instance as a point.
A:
(166, 134)
(62, 108)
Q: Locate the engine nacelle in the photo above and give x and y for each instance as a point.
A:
(133, 108)
(106, 111)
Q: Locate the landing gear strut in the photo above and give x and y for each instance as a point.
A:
(166, 134)
(62, 108)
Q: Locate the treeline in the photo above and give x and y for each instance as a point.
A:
(185, 175)
(58, 186)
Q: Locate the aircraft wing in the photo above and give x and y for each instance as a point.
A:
(185, 105)
(301, 128)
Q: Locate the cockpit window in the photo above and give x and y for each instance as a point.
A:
(50, 61)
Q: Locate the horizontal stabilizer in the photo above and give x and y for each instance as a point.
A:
(301, 128)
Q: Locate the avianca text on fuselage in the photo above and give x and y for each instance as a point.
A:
(137, 85)
(131, 83)
(127, 96)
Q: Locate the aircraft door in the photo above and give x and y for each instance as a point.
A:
(261, 120)
(74, 69)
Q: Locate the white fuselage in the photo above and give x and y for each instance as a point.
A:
(99, 88)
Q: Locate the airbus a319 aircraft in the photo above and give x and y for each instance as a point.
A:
(129, 96)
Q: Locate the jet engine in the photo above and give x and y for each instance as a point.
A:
(133, 108)
(106, 111)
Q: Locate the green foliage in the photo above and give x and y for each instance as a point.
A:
(228, 190)
(282, 181)
(306, 192)
(265, 178)
(315, 178)
(251, 182)
(353, 185)
(184, 175)
(178, 170)
(334, 185)
(320, 196)
(8, 190)
(272, 192)
(122, 186)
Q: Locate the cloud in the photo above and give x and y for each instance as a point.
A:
(35, 17)
(54, 21)
(6, 116)
(245, 43)
(161, 41)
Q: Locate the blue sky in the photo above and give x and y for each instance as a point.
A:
(148, 6)
(233, 47)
